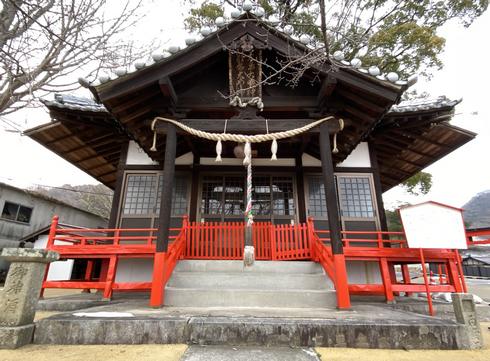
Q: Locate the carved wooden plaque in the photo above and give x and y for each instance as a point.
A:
(245, 69)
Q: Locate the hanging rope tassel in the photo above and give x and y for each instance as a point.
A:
(274, 149)
(335, 150)
(219, 148)
(154, 144)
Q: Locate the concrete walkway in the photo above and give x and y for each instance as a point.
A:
(227, 353)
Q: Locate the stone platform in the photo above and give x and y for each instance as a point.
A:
(131, 321)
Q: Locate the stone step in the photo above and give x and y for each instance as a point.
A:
(198, 297)
(289, 267)
(245, 280)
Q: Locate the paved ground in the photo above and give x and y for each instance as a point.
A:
(214, 353)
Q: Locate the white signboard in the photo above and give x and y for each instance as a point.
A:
(433, 225)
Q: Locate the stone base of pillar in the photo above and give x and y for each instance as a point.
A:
(16, 336)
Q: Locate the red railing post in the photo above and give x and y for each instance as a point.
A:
(52, 232)
(272, 230)
(380, 240)
(49, 245)
(185, 227)
(117, 236)
(426, 283)
(311, 238)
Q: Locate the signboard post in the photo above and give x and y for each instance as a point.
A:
(433, 225)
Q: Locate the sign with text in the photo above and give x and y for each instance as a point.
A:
(433, 225)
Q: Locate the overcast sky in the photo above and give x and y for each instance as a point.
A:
(456, 178)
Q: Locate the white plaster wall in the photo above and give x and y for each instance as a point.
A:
(59, 270)
(363, 272)
(185, 159)
(134, 270)
(137, 156)
(310, 161)
(359, 157)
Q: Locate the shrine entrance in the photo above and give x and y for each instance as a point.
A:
(222, 198)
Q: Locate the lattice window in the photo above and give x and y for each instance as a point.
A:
(356, 199)
(261, 196)
(317, 204)
(140, 195)
(283, 196)
(211, 197)
(179, 196)
(234, 196)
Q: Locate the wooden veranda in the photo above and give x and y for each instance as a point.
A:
(224, 241)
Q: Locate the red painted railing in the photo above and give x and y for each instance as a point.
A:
(215, 240)
(478, 237)
(225, 241)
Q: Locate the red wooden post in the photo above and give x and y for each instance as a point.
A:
(387, 281)
(454, 276)
(426, 282)
(104, 269)
(406, 277)
(88, 274)
(272, 230)
(461, 274)
(185, 230)
(49, 244)
(117, 236)
(312, 240)
(111, 276)
(157, 287)
(341, 282)
(52, 232)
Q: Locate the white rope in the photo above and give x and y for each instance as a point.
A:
(335, 150)
(256, 101)
(239, 138)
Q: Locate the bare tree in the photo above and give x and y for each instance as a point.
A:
(42, 41)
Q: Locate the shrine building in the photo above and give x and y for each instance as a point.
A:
(249, 137)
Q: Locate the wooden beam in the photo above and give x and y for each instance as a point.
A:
(328, 86)
(360, 100)
(167, 89)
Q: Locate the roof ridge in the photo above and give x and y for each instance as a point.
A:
(256, 15)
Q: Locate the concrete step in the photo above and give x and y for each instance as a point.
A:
(192, 297)
(246, 280)
(290, 267)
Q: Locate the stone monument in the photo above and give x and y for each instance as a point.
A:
(465, 312)
(19, 297)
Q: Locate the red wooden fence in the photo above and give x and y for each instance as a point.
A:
(216, 240)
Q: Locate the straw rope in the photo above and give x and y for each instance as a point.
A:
(239, 138)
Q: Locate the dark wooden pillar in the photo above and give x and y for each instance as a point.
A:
(116, 198)
(330, 190)
(300, 187)
(157, 286)
(194, 189)
(378, 188)
(168, 182)
(341, 282)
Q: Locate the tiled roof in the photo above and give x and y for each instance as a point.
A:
(66, 101)
(420, 104)
(302, 41)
